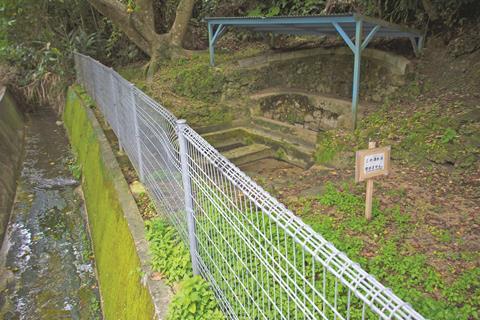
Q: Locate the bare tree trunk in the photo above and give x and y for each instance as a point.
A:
(130, 24)
(180, 25)
(139, 26)
(144, 9)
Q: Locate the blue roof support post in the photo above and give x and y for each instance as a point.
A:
(356, 70)
(213, 36)
(211, 44)
(417, 44)
(357, 48)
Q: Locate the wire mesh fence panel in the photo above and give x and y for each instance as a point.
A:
(267, 261)
(262, 261)
(160, 153)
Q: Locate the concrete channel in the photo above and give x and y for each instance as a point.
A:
(47, 270)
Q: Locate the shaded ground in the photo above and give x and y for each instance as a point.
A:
(47, 256)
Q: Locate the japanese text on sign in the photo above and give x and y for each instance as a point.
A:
(370, 163)
(374, 162)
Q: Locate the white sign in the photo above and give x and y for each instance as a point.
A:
(370, 163)
(374, 162)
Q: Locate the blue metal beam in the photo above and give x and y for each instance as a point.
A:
(369, 37)
(211, 44)
(345, 36)
(417, 44)
(280, 20)
(356, 71)
(213, 36)
(220, 30)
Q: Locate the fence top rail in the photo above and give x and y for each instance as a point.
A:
(365, 287)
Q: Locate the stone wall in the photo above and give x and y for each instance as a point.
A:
(329, 72)
(11, 149)
(308, 111)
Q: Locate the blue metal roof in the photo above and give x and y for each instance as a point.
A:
(316, 25)
(351, 27)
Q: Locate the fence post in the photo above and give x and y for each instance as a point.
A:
(137, 132)
(116, 106)
(187, 190)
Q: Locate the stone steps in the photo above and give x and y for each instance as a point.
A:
(293, 134)
(286, 149)
(250, 153)
(225, 139)
(283, 147)
(224, 142)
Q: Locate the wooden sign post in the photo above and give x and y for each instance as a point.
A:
(371, 163)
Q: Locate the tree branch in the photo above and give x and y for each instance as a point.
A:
(146, 11)
(180, 25)
(130, 24)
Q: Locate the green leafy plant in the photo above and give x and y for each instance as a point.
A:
(74, 167)
(170, 257)
(280, 154)
(194, 300)
(448, 136)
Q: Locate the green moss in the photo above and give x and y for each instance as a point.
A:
(199, 81)
(330, 147)
(430, 134)
(192, 89)
(123, 294)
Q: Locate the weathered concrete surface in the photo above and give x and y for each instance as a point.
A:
(249, 153)
(127, 287)
(11, 149)
(395, 63)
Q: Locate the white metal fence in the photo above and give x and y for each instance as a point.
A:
(262, 261)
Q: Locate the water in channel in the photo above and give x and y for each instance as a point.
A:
(46, 259)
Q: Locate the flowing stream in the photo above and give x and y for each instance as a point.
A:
(46, 262)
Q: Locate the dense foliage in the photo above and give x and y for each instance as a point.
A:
(38, 38)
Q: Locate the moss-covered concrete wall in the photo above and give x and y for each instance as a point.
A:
(116, 227)
(11, 148)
